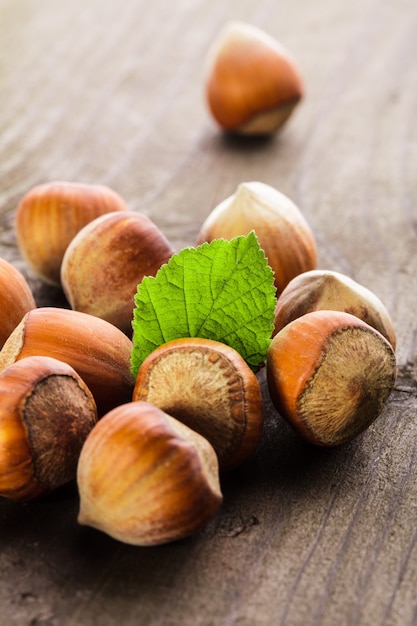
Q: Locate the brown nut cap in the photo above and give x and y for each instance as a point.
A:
(329, 375)
(46, 413)
(97, 350)
(209, 387)
(324, 289)
(106, 260)
(145, 479)
(16, 299)
(281, 228)
(51, 214)
(252, 81)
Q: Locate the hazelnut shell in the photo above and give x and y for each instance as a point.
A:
(46, 413)
(324, 289)
(208, 386)
(281, 228)
(252, 81)
(106, 261)
(146, 479)
(16, 299)
(51, 214)
(329, 375)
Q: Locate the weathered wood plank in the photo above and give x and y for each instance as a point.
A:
(113, 93)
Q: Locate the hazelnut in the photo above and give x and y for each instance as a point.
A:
(98, 351)
(281, 228)
(106, 260)
(329, 375)
(252, 81)
(16, 299)
(209, 387)
(46, 413)
(51, 214)
(145, 479)
(324, 289)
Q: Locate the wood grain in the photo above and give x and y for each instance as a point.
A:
(99, 91)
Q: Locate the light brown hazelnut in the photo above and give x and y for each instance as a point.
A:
(46, 413)
(146, 479)
(252, 81)
(324, 289)
(106, 261)
(281, 228)
(51, 214)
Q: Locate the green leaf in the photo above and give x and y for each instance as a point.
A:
(222, 290)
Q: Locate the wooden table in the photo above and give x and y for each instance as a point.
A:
(109, 92)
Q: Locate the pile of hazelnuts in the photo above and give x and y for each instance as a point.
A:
(148, 451)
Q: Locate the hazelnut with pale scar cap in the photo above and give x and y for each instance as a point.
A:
(51, 214)
(329, 375)
(145, 478)
(252, 81)
(46, 413)
(210, 387)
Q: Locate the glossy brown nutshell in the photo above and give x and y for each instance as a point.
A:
(330, 375)
(51, 214)
(46, 413)
(16, 299)
(145, 479)
(252, 82)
